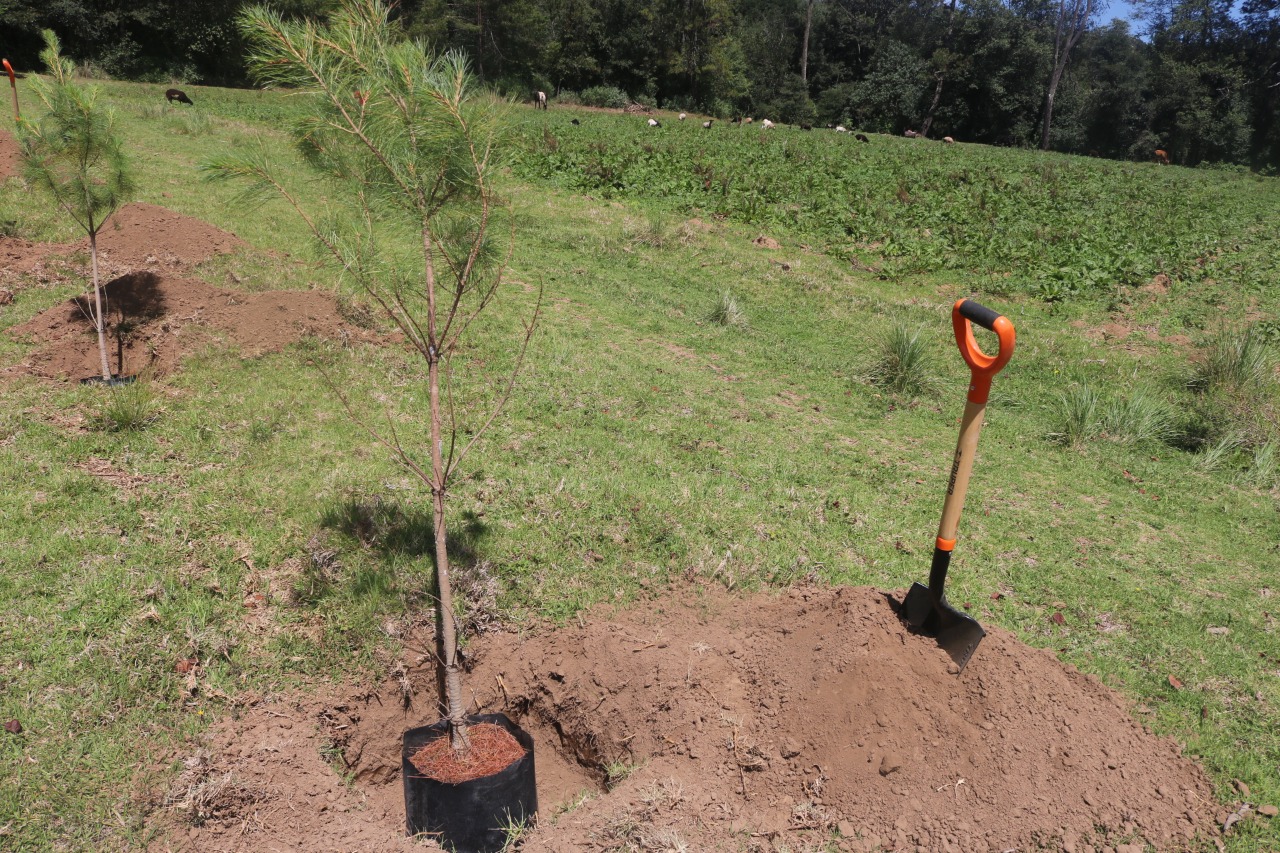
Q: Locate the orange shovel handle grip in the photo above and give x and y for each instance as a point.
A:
(982, 367)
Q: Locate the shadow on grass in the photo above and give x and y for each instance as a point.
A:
(397, 533)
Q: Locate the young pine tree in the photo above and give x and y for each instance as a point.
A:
(73, 153)
(407, 144)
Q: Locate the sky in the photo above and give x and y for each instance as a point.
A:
(1116, 9)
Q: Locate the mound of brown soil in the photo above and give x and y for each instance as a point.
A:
(727, 723)
(155, 320)
(140, 235)
(137, 237)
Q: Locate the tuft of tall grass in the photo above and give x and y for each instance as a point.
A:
(727, 312)
(1137, 419)
(1234, 362)
(1264, 470)
(128, 408)
(902, 363)
(654, 231)
(1076, 415)
(1218, 453)
(189, 123)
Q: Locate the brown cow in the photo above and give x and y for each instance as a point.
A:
(1162, 157)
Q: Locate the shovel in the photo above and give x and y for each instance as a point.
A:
(926, 607)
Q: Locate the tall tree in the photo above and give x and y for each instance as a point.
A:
(804, 41)
(1071, 23)
(943, 57)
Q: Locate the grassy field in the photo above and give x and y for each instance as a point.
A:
(696, 407)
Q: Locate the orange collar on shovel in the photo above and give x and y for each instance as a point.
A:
(926, 607)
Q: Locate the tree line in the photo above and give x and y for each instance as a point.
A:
(1199, 79)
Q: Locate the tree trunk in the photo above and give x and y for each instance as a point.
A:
(933, 106)
(480, 38)
(1047, 119)
(804, 45)
(940, 74)
(99, 315)
(447, 649)
(1073, 20)
(447, 633)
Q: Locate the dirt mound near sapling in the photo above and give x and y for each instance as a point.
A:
(729, 723)
(137, 237)
(140, 235)
(155, 320)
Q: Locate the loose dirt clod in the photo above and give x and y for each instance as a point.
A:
(772, 715)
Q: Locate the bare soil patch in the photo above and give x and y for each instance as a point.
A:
(138, 237)
(156, 315)
(154, 320)
(705, 721)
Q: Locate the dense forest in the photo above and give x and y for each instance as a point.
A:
(1197, 78)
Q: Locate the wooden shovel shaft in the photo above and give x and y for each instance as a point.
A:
(961, 468)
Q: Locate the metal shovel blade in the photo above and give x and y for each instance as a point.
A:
(957, 634)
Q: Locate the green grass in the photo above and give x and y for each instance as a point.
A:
(646, 446)
(123, 408)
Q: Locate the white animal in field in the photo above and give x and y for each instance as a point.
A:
(683, 116)
(840, 128)
(542, 101)
(766, 124)
(948, 140)
(653, 122)
(707, 123)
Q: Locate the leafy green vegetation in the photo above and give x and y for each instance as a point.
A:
(646, 448)
(1058, 228)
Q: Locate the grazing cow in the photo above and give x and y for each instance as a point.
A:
(861, 137)
(542, 101)
(653, 122)
(766, 124)
(1162, 157)
(177, 95)
(948, 140)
